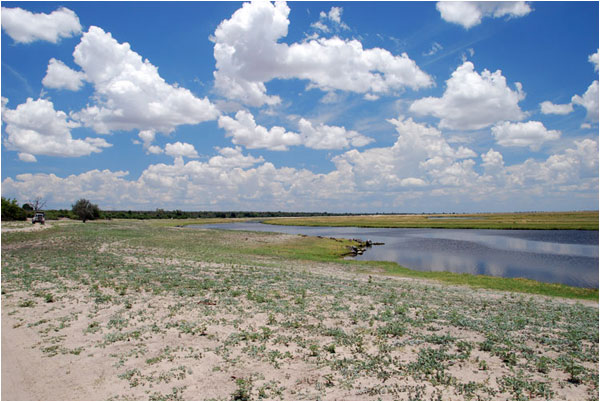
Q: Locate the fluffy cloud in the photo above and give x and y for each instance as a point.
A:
(130, 92)
(246, 132)
(147, 137)
(530, 134)
(25, 27)
(231, 180)
(25, 157)
(569, 167)
(589, 100)
(60, 76)
(35, 128)
(493, 161)
(333, 16)
(233, 158)
(248, 54)
(330, 137)
(103, 187)
(180, 149)
(593, 58)
(420, 156)
(551, 108)
(473, 101)
(469, 13)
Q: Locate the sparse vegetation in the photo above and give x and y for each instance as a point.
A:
(171, 313)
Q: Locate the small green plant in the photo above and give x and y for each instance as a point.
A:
(93, 327)
(542, 364)
(330, 348)
(27, 303)
(464, 349)
(243, 391)
(122, 290)
(574, 370)
(393, 328)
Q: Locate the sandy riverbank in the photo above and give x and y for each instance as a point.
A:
(126, 310)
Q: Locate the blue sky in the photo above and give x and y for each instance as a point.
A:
(304, 106)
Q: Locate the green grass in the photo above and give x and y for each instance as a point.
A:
(328, 250)
(307, 248)
(586, 220)
(331, 250)
(520, 285)
(186, 222)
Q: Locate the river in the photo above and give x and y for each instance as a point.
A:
(569, 257)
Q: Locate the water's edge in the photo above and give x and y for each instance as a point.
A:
(569, 257)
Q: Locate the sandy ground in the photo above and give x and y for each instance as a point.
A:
(27, 226)
(142, 346)
(27, 375)
(21, 227)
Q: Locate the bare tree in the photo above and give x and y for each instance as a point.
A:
(37, 204)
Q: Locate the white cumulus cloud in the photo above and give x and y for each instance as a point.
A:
(232, 180)
(470, 13)
(531, 134)
(473, 101)
(130, 92)
(568, 167)
(147, 137)
(551, 108)
(323, 136)
(60, 76)
(589, 100)
(244, 131)
(248, 54)
(35, 128)
(179, 149)
(232, 158)
(25, 27)
(492, 161)
(419, 157)
(593, 58)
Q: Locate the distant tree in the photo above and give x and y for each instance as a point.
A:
(85, 210)
(11, 211)
(38, 203)
(27, 207)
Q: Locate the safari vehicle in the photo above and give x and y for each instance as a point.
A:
(38, 217)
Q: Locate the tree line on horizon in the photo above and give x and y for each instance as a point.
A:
(85, 210)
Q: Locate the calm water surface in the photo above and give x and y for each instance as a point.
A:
(557, 256)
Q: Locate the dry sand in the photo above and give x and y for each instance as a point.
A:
(67, 350)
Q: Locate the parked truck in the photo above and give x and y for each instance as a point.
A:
(38, 217)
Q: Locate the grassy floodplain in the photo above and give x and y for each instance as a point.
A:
(141, 310)
(585, 220)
